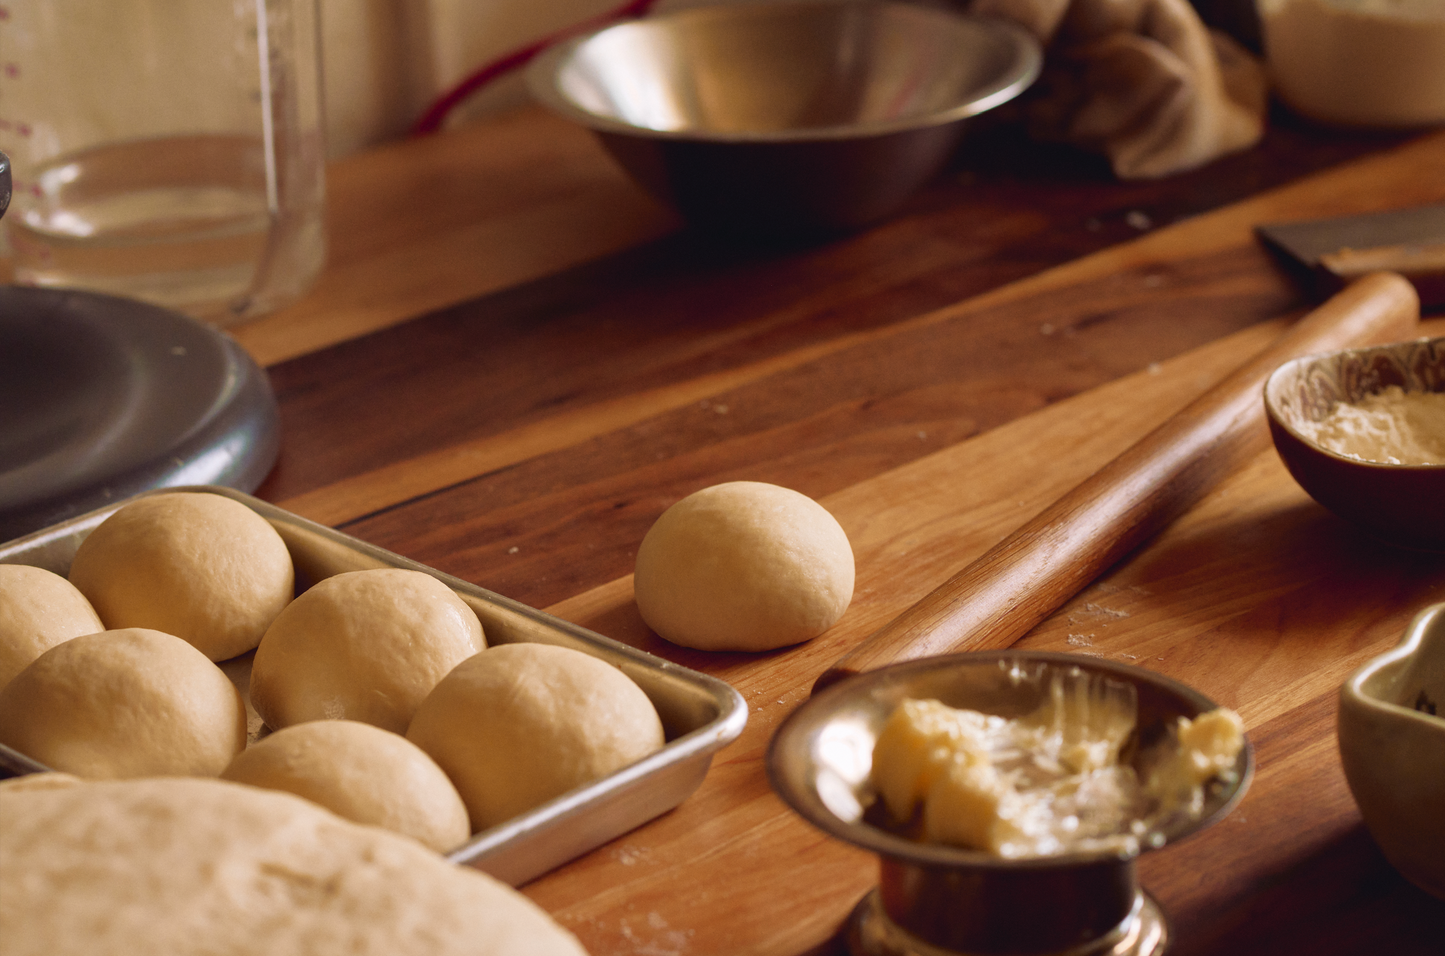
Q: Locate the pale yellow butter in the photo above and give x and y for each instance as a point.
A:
(1209, 744)
(1208, 747)
(1049, 782)
(917, 745)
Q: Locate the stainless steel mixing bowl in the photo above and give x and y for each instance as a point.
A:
(786, 115)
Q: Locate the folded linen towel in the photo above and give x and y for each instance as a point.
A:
(1144, 82)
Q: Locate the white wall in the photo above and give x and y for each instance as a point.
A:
(386, 60)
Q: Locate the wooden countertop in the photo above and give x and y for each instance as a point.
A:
(516, 361)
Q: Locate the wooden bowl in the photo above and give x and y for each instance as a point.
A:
(1392, 745)
(1401, 504)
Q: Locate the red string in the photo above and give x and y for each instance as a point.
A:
(437, 112)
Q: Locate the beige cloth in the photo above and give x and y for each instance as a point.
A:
(1144, 82)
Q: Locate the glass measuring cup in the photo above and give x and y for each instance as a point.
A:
(166, 150)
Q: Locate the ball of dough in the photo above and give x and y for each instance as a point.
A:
(520, 724)
(200, 566)
(38, 609)
(186, 866)
(360, 772)
(124, 703)
(362, 645)
(743, 566)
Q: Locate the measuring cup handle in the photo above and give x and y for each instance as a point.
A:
(4, 184)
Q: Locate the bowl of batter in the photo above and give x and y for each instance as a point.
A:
(1363, 432)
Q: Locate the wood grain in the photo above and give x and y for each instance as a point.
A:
(936, 381)
(423, 225)
(485, 208)
(1224, 599)
(1026, 576)
(515, 361)
(521, 376)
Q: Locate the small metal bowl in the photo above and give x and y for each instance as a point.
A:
(941, 900)
(1392, 745)
(1400, 504)
(786, 116)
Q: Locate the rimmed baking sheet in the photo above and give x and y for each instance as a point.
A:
(700, 714)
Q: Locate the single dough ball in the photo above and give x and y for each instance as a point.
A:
(124, 703)
(360, 772)
(520, 724)
(38, 609)
(743, 566)
(177, 865)
(362, 645)
(200, 566)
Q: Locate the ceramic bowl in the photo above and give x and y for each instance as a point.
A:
(1357, 63)
(1402, 504)
(942, 899)
(786, 116)
(1392, 744)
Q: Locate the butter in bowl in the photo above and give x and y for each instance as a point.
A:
(1363, 431)
(1008, 795)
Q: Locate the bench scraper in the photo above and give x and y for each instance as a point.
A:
(1328, 253)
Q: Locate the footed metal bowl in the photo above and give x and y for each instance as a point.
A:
(786, 116)
(940, 900)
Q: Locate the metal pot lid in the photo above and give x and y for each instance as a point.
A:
(103, 397)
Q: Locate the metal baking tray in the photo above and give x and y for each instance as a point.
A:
(700, 714)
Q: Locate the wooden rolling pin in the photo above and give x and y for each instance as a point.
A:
(1027, 576)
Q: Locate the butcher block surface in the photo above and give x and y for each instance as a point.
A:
(510, 373)
(1257, 598)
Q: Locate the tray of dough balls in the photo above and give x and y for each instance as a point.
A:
(203, 632)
